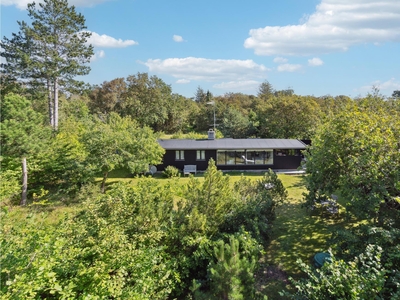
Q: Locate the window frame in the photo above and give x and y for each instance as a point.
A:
(267, 157)
(200, 155)
(179, 155)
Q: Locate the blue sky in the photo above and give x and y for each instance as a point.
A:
(316, 47)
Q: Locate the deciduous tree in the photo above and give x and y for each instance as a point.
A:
(146, 100)
(357, 153)
(121, 143)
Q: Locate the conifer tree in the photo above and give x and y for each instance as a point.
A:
(50, 52)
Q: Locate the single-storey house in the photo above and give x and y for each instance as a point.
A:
(232, 154)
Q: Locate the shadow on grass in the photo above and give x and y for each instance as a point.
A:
(299, 183)
(299, 234)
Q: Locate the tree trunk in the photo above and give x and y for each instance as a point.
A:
(103, 183)
(24, 182)
(51, 107)
(55, 125)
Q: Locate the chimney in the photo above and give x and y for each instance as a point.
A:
(211, 134)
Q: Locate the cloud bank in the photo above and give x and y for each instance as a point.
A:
(335, 26)
(229, 74)
(106, 41)
(193, 68)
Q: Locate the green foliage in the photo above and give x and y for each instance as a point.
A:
(113, 249)
(288, 116)
(147, 241)
(171, 171)
(255, 212)
(211, 210)
(234, 124)
(361, 278)
(120, 142)
(22, 131)
(209, 202)
(357, 153)
(50, 52)
(106, 98)
(65, 165)
(146, 100)
(10, 185)
(231, 275)
(195, 135)
(352, 242)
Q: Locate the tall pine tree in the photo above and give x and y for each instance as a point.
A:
(50, 52)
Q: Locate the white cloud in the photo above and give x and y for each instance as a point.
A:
(315, 62)
(289, 68)
(22, 4)
(193, 68)
(280, 60)
(386, 87)
(238, 85)
(335, 26)
(182, 81)
(106, 41)
(177, 38)
(99, 54)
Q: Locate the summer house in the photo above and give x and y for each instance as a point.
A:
(232, 154)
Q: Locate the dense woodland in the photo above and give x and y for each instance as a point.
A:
(198, 240)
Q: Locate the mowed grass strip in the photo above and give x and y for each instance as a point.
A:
(296, 233)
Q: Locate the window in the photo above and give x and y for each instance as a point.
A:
(179, 155)
(240, 157)
(261, 157)
(243, 157)
(230, 157)
(200, 155)
(221, 157)
(287, 152)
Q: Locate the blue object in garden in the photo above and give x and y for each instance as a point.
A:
(321, 258)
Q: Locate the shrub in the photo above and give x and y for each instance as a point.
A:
(171, 172)
(362, 278)
(256, 210)
(230, 274)
(10, 186)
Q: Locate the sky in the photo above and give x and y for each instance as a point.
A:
(315, 47)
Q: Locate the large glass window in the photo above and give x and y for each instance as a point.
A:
(240, 157)
(268, 157)
(179, 155)
(230, 157)
(221, 157)
(243, 157)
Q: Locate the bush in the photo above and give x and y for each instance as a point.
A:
(230, 273)
(10, 186)
(256, 210)
(362, 278)
(171, 172)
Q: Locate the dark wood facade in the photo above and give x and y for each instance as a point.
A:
(291, 160)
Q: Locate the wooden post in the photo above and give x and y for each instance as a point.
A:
(24, 181)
